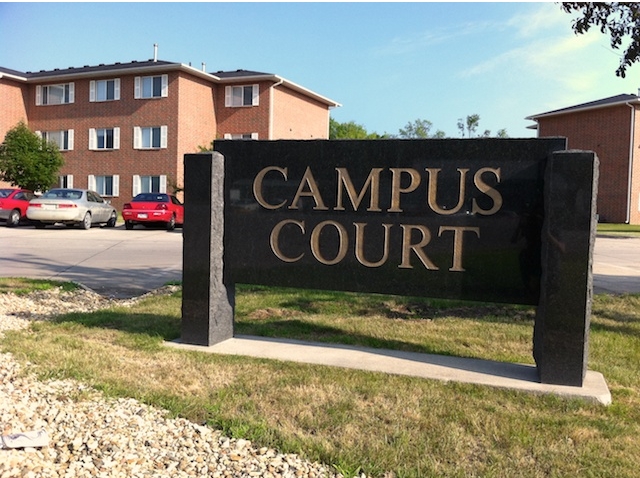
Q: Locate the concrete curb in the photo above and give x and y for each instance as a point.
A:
(437, 367)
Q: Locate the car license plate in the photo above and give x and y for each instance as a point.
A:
(48, 206)
(142, 216)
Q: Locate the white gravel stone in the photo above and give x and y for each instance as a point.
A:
(99, 437)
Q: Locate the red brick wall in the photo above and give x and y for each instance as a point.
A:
(634, 203)
(13, 108)
(196, 110)
(298, 117)
(243, 119)
(606, 131)
(189, 120)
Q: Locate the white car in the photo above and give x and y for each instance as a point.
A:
(70, 207)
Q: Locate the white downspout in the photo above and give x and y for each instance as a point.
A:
(271, 107)
(629, 182)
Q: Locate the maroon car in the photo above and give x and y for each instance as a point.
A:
(13, 205)
(153, 208)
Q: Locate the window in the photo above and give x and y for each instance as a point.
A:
(105, 185)
(63, 139)
(149, 184)
(104, 138)
(104, 90)
(150, 137)
(66, 181)
(151, 86)
(235, 96)
(241, 136)
(55, 94)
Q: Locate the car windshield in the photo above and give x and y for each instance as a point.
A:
(151, 197)
(62, 194)
(4, 193)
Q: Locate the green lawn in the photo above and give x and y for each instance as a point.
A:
(619, 229)
(375, 423)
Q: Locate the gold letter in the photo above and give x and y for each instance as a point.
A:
(373, 181)
(360, 245)
(257, 187)
(488, 190)
(313, 192)
(433, 192)
(396, 186)
(315, 243)
(273, 240)
(407, 247)
(457, 243)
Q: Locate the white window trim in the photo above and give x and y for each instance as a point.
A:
(228, 96)
(71, 94)
(239, 137)
(137, 137)
(93, 139)
(91, 184)
(69, 180)
(137, 183)
(69, 138)
(137, 93)
(116, 90)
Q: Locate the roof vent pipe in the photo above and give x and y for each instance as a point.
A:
(204, 66)
(155, 52)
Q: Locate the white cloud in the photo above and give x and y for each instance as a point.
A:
(545, 17)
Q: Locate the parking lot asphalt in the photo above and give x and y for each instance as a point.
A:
(119, 263)
(111, 261)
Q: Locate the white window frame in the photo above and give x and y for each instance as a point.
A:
(93, 139)
(139, 86)
(58, 141)
(95, 87)
(43, 97)
(241, 136)
(69, 180)
(234, 100)
(139, 133)
(93, 179)
(138, 180)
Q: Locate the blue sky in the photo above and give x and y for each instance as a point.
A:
(386, 63)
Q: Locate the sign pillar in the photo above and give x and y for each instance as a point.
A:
(561, 335)
(207, 300)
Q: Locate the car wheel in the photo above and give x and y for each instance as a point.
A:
(128, 225)
(14, 218)
(112, 220)
(171, 225)
(39, 225)
(86, 222)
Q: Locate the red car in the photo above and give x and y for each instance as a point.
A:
(153, 208)
(13, 205)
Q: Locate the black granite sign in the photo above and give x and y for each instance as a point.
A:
(456, 219)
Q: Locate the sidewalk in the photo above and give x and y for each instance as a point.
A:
(616, 265)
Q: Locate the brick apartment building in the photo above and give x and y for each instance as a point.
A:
(611, 128)
(124, 128)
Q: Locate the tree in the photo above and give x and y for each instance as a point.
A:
(349, 130)
(419, 129)
(617, 19)
(470, 125)
(29, 161)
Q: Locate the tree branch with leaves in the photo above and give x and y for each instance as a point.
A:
(619, 20)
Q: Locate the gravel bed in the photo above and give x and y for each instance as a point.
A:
(94, 436)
